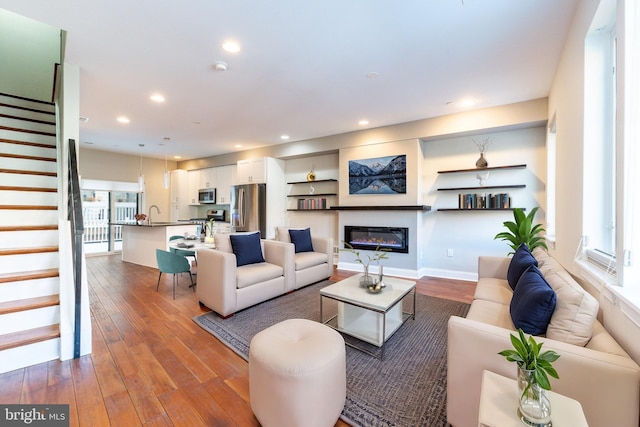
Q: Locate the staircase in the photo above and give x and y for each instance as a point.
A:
(29, 239)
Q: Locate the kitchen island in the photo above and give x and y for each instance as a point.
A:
(139, 242)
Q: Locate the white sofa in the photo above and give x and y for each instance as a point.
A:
(310, 267)
(593, 368)
(226, 288)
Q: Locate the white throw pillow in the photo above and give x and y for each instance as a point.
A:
(575, 313)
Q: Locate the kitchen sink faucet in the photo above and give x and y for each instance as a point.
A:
(151, 207)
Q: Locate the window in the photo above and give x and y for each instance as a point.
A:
(630, 100)
(551, 182)
(599, 210)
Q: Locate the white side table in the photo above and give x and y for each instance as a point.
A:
(499, 405)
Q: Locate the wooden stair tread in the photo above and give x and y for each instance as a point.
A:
(29, 207)
(35, 189)
(29, 275)
(30, 336)
(36, 132)
(29, 304)
(28, 227)
(26, 251)
(28, 119)
(27, 172)
(25, 157)
(33, 110)
(31, 144)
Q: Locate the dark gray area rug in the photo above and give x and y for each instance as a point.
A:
(407, 388)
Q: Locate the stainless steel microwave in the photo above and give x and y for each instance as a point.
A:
(207, 195)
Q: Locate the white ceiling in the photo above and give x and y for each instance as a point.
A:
(303, 66)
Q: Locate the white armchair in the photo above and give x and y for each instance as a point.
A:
(310, 266)
(225, 287)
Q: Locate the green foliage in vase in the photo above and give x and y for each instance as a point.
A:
(378, 254)
(526, 354)
(523, 231)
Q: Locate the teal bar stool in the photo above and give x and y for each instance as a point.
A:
(172, 263)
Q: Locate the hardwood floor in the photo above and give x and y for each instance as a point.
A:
(151, 364)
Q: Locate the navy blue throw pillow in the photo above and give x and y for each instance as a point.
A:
(301, 239)
(533, 302)
(521, 260)
(247, 248)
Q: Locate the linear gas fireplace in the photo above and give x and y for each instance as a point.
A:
(392, 239)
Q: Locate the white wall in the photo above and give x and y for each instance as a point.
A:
(470, 233)
(30, 71)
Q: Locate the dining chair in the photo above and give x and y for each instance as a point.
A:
(183, 252)
(172, 263)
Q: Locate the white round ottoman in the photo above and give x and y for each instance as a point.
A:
(297, 374)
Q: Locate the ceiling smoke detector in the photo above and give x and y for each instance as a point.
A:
(220, 66)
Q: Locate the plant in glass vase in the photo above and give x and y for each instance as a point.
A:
(534, 369)
(378, 255)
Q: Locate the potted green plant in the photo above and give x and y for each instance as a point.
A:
(534, 369)
(523, 231)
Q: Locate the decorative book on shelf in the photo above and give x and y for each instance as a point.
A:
(312, 204)
(484, 201)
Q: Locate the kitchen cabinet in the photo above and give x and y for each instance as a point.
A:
(252, 170)
(193, 187)
(179, 186)
(226, 175)
(208, 178)
(178, 193)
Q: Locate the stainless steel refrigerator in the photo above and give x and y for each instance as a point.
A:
(248, 208)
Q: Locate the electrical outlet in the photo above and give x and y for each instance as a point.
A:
(449, 252)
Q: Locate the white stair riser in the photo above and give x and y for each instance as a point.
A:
(28, 239)
(27, 150)
(27, 125)
(28, 137)
(27, 164)
(17, 112)
(29, 289)
(39, 198)
(28, 355)
(26, 180)
(29, 262)
(12, 218)
(26, 103)
(30, 319)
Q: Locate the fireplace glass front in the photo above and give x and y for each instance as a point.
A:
(392, 239)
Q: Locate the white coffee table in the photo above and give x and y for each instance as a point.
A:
(369, 317)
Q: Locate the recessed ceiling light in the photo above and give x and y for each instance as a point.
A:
(238, 145)
(467, 102)
(177, 157)
(157, 98)
(231, 46)
(363, 122)
(123, 119)
(284, 137)
(84, 119)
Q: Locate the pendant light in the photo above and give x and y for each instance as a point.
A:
(140, 176)
(165, 175)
